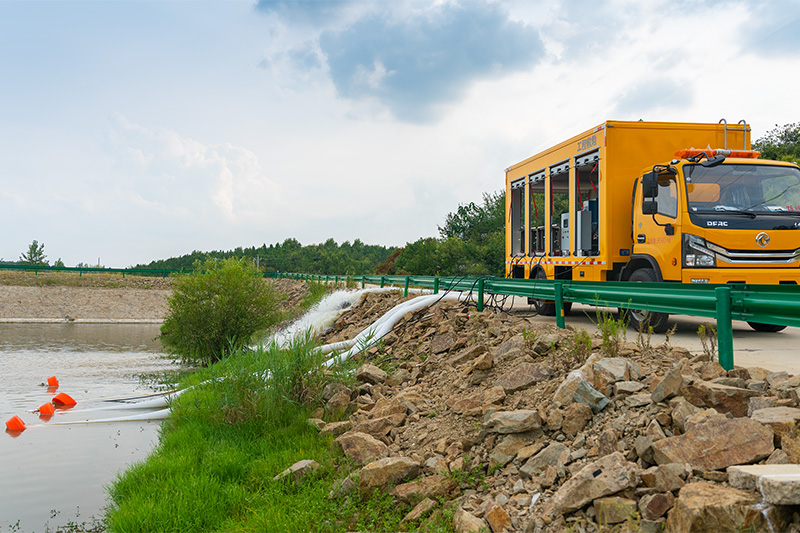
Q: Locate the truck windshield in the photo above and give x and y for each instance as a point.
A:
(745, 188)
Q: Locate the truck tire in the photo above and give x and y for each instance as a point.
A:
(766, 328)
(640, 318)
(547, 307)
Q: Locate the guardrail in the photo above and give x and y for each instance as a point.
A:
(768, 304)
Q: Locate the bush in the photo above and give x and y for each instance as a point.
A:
(213, 313)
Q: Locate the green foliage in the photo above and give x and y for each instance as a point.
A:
(35, 255)
(580, 346)
(708, 338)
(217, 311)
(291, 256)
(781, 143)
(471, 243)
(59, 263)
(613, 331)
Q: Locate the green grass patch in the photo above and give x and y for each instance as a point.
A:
(244, 421)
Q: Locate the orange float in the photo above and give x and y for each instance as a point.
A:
(64, 399)
(46, 410)
(15, 423)
(52, 381)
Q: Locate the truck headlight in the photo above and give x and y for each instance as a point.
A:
(696, 252)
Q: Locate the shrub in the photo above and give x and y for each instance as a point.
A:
(216, 310)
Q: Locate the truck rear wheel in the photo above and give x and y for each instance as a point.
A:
(640, 318)
(766, 328)
(547, 307)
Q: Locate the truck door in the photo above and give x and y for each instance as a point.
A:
(656, 224)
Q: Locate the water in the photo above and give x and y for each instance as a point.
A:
(53, 474)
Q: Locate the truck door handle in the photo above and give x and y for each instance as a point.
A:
(641, 238)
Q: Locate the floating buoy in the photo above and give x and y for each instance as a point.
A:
(15, 423)
(52, 381)
(46, 410)
(64, 399)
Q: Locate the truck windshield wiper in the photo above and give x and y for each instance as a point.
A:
(732, 210)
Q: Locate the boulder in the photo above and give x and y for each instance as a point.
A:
(467, 354)
(654, 506)
(505, 450)
(494, 395)
(466, 522)
(624, 388)
(512, 421)
(668, 386)
(704, 506)
(334, 429)
(361, 447)
(509, 349)
(497, 517)
(613, 510)
(469, 406)
(667, 477)
(780, 419)
(426, 487)
(606, 372)
(388, 471)
(585, 393)
(779, 484)
(717, 444)
(420, 510)
(442, 343)
(523, 376)
(555, 455)
(723, 398)
(604, 477)
(298, 471)
(575, 418)
(370, 374)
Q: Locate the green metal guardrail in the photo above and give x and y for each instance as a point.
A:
(769, 304)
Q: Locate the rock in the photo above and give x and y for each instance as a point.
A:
(654, 506)
(442, 343)
(420, 510)
(681, 411)
(575, 418)
(332, 388)
(387, 471)
(607, 442)
(339, 403)
(509, 349)
(317, 423)
(334, 429)
(610, 370)
(704, 506)
(643, 445)
(717, 444)
(779, 484)
(667, 477)
(494, 395)
(361, 447)
(780, 419)
(606, 476)
(512, 421)
(377, 427)
(567, 388)
(467, 354)
(370, 374)
(505, 450)
(299, 470)
(425, 487)
(778, 457)
(638, 400)
(465, 522)
(497, 517)
(723, 398)
(342, 487)
(760, 402)
(385, 407)
(585, 393)
(669, 385)
(703, 416)
(523, 376)
(710, 370)
(613, 510)
(556, 455)
(623, 388)
(470, 406)
(436, 465)
(483, 362)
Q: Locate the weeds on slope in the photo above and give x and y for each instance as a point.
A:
(243, 422)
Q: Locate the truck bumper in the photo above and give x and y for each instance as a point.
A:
(755, 276)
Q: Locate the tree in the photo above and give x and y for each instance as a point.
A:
(781, 143)
(58, 263)
(35, 255)
(215, 313)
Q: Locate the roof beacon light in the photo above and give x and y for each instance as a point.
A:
(711, 152)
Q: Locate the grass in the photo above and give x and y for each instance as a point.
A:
(73, 279)
(227, 438)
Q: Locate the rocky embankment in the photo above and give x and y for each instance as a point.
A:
(518, 426)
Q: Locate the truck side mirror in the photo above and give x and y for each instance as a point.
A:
(649, 207)
(650, 185)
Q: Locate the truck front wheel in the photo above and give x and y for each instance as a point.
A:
(547, 307)
(640, 318)
(766, 328)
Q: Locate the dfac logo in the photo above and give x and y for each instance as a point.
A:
(762, 239)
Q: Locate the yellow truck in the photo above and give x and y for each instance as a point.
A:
(654, 202)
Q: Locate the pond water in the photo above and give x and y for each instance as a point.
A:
(53, 474)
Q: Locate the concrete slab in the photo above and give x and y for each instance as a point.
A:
(779, 484)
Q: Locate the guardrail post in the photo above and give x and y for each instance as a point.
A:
(436, 285)
(383, 281)
(481, 282)
(559, 286)
(405, 288)
(363, 280)
(724, 327)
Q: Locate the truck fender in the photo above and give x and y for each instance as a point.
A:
(638, 261)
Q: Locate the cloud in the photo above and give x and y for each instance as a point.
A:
(306, 11)
(413, 57)
(650, 95)
(773, 29)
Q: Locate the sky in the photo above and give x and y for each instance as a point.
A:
(139, 130)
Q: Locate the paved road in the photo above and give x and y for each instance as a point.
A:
(773, 351)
